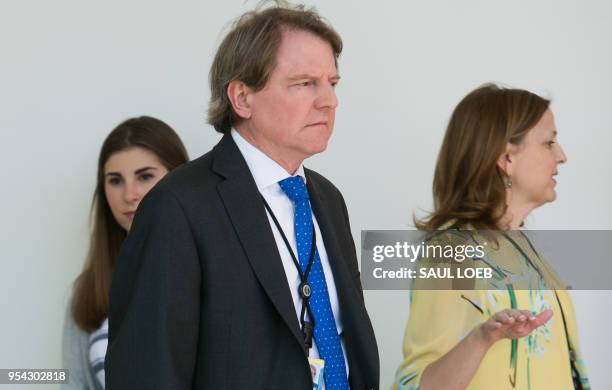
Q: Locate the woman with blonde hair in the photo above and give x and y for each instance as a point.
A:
(498, 162)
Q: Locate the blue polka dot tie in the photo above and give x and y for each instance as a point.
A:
(325, 332)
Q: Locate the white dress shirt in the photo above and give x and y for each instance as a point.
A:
(267, 173)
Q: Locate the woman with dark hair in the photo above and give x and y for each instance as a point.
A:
(516, 330)
(133, 158)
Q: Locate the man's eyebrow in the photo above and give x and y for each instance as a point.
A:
(305, 76)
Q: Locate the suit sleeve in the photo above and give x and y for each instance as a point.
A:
(357, 277)
(155, 300)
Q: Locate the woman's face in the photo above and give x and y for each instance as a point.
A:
(128, 175)
(533, 164)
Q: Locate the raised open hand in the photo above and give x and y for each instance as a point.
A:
(513, 324)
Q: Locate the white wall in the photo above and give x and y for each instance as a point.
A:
(71, 70)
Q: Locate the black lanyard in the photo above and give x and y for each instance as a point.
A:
(304, 289)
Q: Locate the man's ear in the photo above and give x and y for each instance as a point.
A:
(505, 160)
(238, 94)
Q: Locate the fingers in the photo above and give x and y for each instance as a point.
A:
(515, 323)
(520, 315)
(491, 325)
(502, 317)
(510, 316)
(528, 315)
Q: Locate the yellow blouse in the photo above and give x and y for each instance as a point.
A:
(439, 319)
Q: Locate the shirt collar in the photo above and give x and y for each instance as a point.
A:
(265, 171)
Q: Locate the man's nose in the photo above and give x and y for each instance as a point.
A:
(327, 97)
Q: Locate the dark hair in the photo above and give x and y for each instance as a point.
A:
(92, 287)
(248, 53)
(468, 185)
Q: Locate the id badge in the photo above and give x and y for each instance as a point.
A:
(316, 369)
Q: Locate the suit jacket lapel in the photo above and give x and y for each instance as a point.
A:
(242, 201)
(356, 324)
(322, 210)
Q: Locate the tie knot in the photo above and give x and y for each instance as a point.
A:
(294, 187)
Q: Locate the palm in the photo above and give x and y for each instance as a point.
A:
(514, 324)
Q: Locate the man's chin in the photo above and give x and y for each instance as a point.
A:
(313, 148)
(318, 149)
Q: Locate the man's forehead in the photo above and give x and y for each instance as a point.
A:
(304, 53)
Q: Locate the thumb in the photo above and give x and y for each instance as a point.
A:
(542, 318)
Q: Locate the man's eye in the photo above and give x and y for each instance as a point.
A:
(305, 83)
